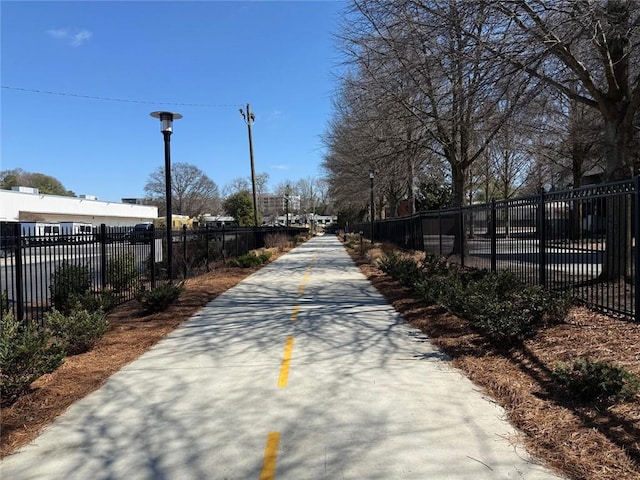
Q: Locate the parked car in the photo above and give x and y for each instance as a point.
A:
(141, 233)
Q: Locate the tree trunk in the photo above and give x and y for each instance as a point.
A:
(575, 211)
(458, 181)
(411, 186)
(617, 255)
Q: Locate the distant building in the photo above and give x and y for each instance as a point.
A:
(208, 220)
(23, 204)
(136, 201)
(273, 204)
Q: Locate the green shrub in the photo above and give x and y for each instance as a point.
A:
(105, 300)
(159, 298)
(403, 269)
(430, 289)
(503, 309)
(68, 282)
(4, 301)
(122, 273)
(433, 265)
(507, 311)
(589, 380)
(251, 260)
(25, 355)
(77, 331)
(453, 293)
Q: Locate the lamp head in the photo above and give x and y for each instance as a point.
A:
(166, 120)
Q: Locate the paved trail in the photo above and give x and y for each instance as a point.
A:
(302, 371)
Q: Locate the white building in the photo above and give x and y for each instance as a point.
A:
(28, 205)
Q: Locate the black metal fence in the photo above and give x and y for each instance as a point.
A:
(582, 240)
(115, 259)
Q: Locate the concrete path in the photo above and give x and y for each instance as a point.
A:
(302, 371)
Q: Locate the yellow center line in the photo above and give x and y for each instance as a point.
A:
(294, 315)
(286, 360)
(273, 439)
(270, 456)
(301, 288)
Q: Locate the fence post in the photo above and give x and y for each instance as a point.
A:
(542, 240)
(636, 250)
(492, 232)
(152, 255)
(103, 256)
(224, 253)
(461, 232)
(184, 250)
(206, 241)
(440, 231)
(17, 242)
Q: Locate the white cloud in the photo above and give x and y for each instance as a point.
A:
(80, 37)
(58, 32)
(280, 167)
(74, 38)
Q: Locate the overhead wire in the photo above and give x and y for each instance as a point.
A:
(122, 100)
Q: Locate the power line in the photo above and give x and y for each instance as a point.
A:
(123, 100)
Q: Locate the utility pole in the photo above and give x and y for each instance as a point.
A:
(373, 206)
(248, 119)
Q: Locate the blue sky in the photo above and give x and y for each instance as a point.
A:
(203, 59)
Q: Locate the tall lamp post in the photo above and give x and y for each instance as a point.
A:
(286, 210)
(166, 127)
(373, 208)
(248, 119)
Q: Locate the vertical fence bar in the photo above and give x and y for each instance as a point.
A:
(461, 233)
(103, 256)
(440, 232)
(184, 250)
(19, 288)
(152, 255)
(636, 250)
(224, 254)
(542, 240)
(494, 243)
(206, 245)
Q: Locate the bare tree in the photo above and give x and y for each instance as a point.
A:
(372, 132)
(352, 146)
(193, 193)
(587, 50)
(428, 58)
(308, 189)
(236, 185)
(262, 182)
